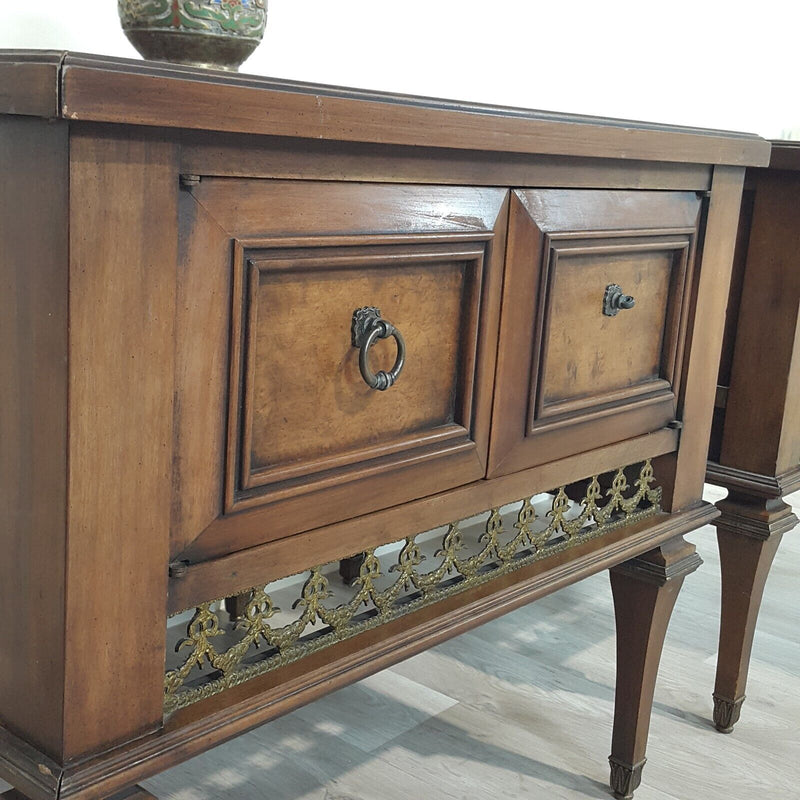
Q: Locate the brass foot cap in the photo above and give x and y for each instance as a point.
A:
(625, 778)
(726, 713)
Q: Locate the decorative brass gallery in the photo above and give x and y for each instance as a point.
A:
(214, 655)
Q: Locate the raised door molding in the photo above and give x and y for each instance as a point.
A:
(570, 376)
(276, 430)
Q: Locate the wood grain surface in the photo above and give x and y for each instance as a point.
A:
(143, 309)
(33, 426)
(122, 282)
(115, 90)
(767, 342)
(567, 374)
(29, 82)
(589, 353)
(324, 407)
(306, 440)
(704, 342)
(249, 156)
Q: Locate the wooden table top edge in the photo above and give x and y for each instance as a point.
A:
(785, 154)
(105, 89)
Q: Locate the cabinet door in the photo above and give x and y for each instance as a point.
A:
(595, 305)
(278, 430)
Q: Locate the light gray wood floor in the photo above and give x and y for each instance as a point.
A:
(522, 708)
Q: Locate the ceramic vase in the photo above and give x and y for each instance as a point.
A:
(208, 33)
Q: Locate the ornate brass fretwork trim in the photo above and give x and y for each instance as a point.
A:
(254, 647)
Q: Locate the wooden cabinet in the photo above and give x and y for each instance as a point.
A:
(195, 436)
(573, 371)
(755, 442)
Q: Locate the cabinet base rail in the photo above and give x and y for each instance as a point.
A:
(134, 793)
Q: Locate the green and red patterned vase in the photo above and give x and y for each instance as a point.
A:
(206, 33)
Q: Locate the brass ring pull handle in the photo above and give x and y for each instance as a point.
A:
(615, 300)
(367, 328)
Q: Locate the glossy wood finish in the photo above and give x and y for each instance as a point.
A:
(249, 156)
(749, 532)
(645, 590)
(597, 365)
(685, 468)
(362, 422)
(569, 377)
(341, 449)
(428, 286)
(33, 425)
(768, 310)
(120, 415)
(755, 445)
(156, 278)
(195, 582)
(29, 82)
(103, 89)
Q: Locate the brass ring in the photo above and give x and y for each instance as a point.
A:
(382, 380)
(367, 327)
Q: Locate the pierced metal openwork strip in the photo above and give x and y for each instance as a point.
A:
(320, 610)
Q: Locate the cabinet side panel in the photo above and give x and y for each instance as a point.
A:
(765, 335)
(683, 472)
(122, 303)
(731, 321)
(789, 450)
(33, 419)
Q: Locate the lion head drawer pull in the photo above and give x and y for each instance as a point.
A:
(615, 300)
(367, 327)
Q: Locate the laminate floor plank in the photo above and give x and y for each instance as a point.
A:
(474, 752)
(288, 760)
(376, 710)
(522, 707)
(511, 686)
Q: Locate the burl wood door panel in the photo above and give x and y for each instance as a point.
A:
(305, 407)
(576, 371)
(277, 430)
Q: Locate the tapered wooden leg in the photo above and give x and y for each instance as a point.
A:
(136, 793)
(749, 531)
(350, 568)
(645, 590)
(236, 606)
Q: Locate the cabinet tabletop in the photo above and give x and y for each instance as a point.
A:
(82, 87)
(785, 155)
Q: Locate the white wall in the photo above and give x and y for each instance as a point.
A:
(695, 62)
